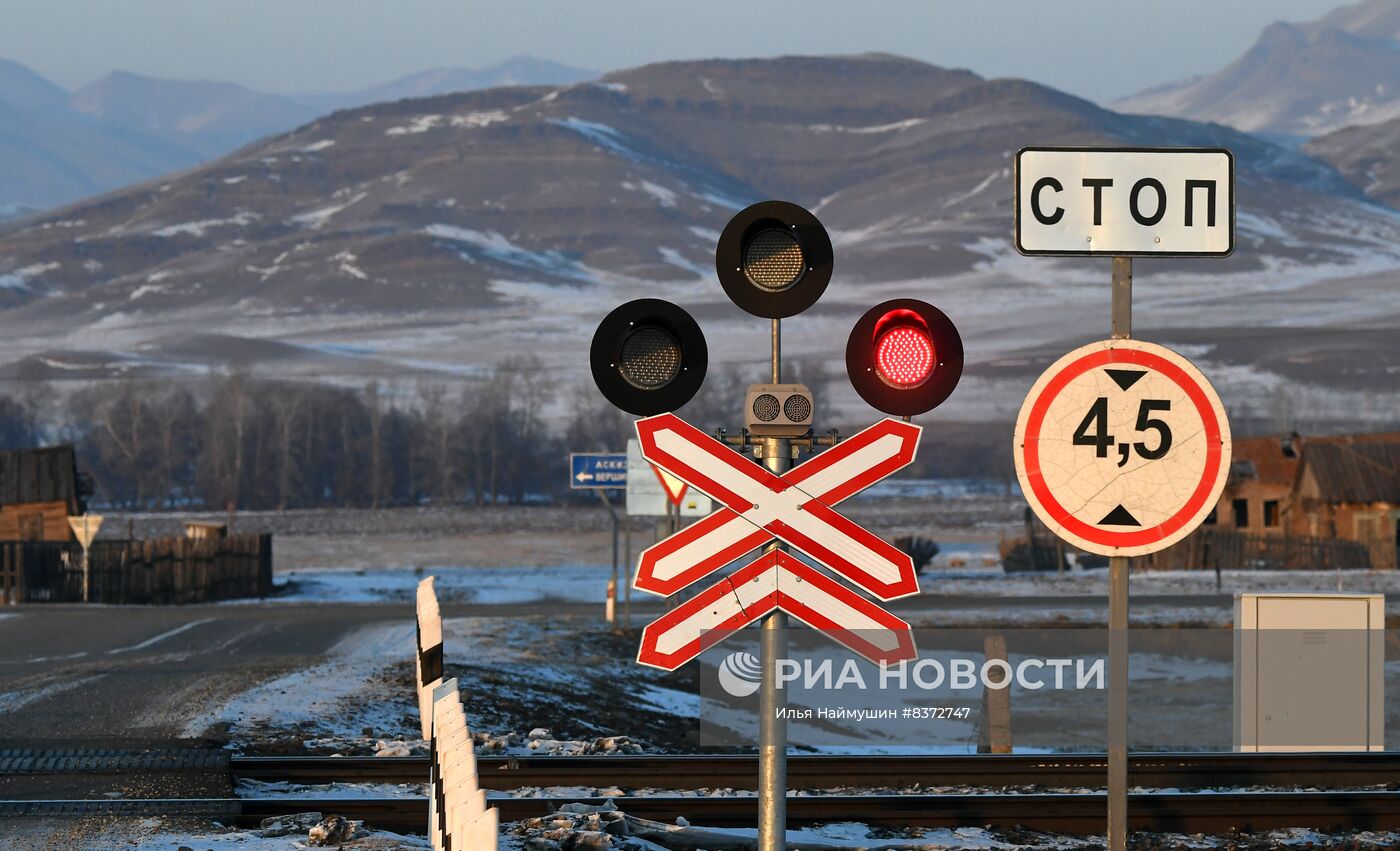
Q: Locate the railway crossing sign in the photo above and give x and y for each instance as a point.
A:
(597, 470)
(1122, 447)
(758, 507)
(1125, 201)
(776, 581)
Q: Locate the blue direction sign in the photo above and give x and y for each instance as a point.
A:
(597, 470)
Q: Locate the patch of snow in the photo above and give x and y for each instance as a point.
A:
(347, 265)
(879, 128)
(249, 840)
(675, 258)
(247, 788)
(480, 119)
(706, 234)
(145, 290)
(319, 145)
(239, 178)
(419, 124)
(317, 695)
(665, 197)
(986, 182)
(484, 585)
(13, 700)
(242, 218)
(497, 247)
(317, 219)
(601, 135)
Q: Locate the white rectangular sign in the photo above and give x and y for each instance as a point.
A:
(645, 495)
(1125, 201)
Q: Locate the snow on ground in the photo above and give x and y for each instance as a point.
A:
(992, 581)
(332, 700)
(487, 585)
(283, 789)
(249, 840)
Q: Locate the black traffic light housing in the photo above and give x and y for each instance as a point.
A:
(904, 357)
(774, 259)
(648, 357)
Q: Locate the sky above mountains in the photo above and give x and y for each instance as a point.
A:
(334, 45)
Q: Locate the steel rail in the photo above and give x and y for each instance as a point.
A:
(1060, 813)
(1178, 770)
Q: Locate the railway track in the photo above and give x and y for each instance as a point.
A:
(1181, 771)
(1361, 788)
(1060, 813)
(1160, 771)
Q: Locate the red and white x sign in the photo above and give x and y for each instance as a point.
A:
(760, 506)
(774, 581)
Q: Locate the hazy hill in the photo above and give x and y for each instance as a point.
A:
(1369, 156)
(1298, 80)
(516, 71)
(206, 117)
(432, 236)
(58, 146)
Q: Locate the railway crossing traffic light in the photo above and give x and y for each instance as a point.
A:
(774, 260)
(648, 357)
(904, 357)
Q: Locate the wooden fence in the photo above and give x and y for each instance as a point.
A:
(162, 570)
(1206, 549)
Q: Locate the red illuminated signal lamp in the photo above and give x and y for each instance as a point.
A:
(904, 357)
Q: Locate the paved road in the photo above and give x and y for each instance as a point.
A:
(107, 676)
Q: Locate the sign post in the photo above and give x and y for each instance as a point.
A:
(1103, 490)
(85, 529)
(598, 472)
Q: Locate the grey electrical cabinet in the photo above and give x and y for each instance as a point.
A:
(1309, 672)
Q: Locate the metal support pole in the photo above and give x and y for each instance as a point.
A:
(1118, 614)
(777, 351)
(772, 727)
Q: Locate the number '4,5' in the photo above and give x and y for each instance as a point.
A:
(1093, 430)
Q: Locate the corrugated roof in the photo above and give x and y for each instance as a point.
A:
(38, 475)
(1362, 471)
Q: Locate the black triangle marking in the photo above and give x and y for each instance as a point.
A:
(1125, 378)
(1119, 517)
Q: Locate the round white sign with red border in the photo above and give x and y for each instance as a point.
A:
(1122, 447)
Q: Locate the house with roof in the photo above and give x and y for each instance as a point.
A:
(1343, 487)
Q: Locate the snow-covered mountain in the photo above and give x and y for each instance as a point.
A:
(436, 236)
(1298, 80)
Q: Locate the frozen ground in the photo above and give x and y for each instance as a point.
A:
(360, 695)
(483, 585)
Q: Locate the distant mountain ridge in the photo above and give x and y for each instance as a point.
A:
(59, 146)
(1298, 80)
(426, 238)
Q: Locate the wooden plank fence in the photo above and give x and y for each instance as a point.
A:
(161, 570)
(1205, 549)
